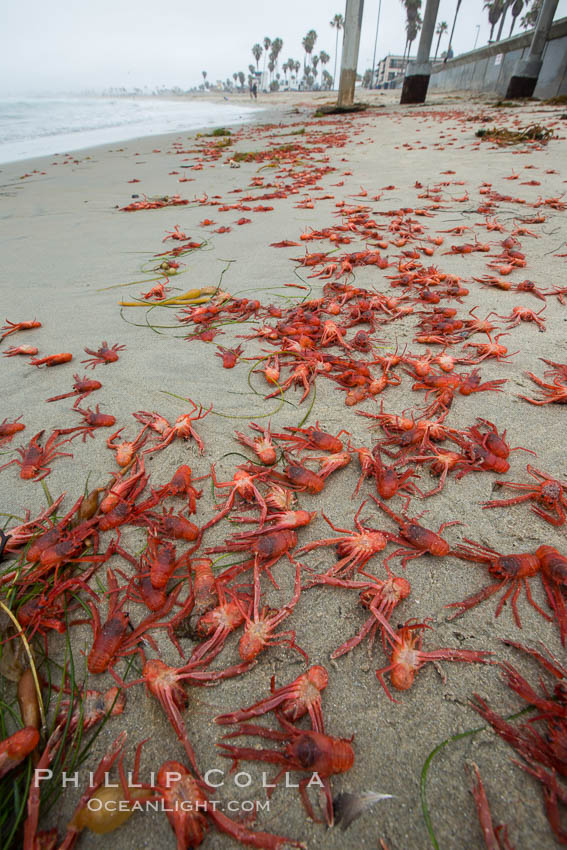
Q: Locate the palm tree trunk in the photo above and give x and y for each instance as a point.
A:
(453, 27)
(512, 27)
(437, 48)
(502, 19)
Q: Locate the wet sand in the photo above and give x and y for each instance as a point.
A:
(65, 242)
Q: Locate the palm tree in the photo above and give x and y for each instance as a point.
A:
(517, 10)
(412, 13)
(271, 67)
(412, 29)
(530, 18)
(315, 62)
(277, 45)
(241, 77)
(296, 67)
(308, 43)
(453, 27)
(235, 77)
(323, 57)
(507, 4)
(495, 8)
(442, 28)
(412, 22)
(204, 73)
(326, 80)
(406, 45)
(257, 52)
(337, 23)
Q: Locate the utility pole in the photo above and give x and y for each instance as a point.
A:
(526, 73)
(375, 44)
(416, 81)
(351, 44)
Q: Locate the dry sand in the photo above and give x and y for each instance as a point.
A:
(65, 241)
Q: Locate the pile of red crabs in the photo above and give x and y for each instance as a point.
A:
(139, 561)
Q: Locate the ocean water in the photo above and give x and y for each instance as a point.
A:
(41, 126)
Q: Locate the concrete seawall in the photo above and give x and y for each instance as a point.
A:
(490, 68)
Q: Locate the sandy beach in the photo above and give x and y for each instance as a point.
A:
(70, 255)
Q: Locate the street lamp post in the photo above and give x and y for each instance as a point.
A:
(476, 37)
(375, 44)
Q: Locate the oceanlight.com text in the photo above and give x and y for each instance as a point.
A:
(95, 804)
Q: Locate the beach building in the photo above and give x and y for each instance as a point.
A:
(263, 80)
(390, 67)
(287, 82)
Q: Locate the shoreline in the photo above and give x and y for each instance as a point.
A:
(280, 104)
(71, 255)
(119, 133)
(274, 109)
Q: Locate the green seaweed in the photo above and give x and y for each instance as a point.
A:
(218, 131)
(427, 764)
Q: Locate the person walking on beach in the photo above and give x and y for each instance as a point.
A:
(254, 91)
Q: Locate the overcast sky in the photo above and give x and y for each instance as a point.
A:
(73, 45)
